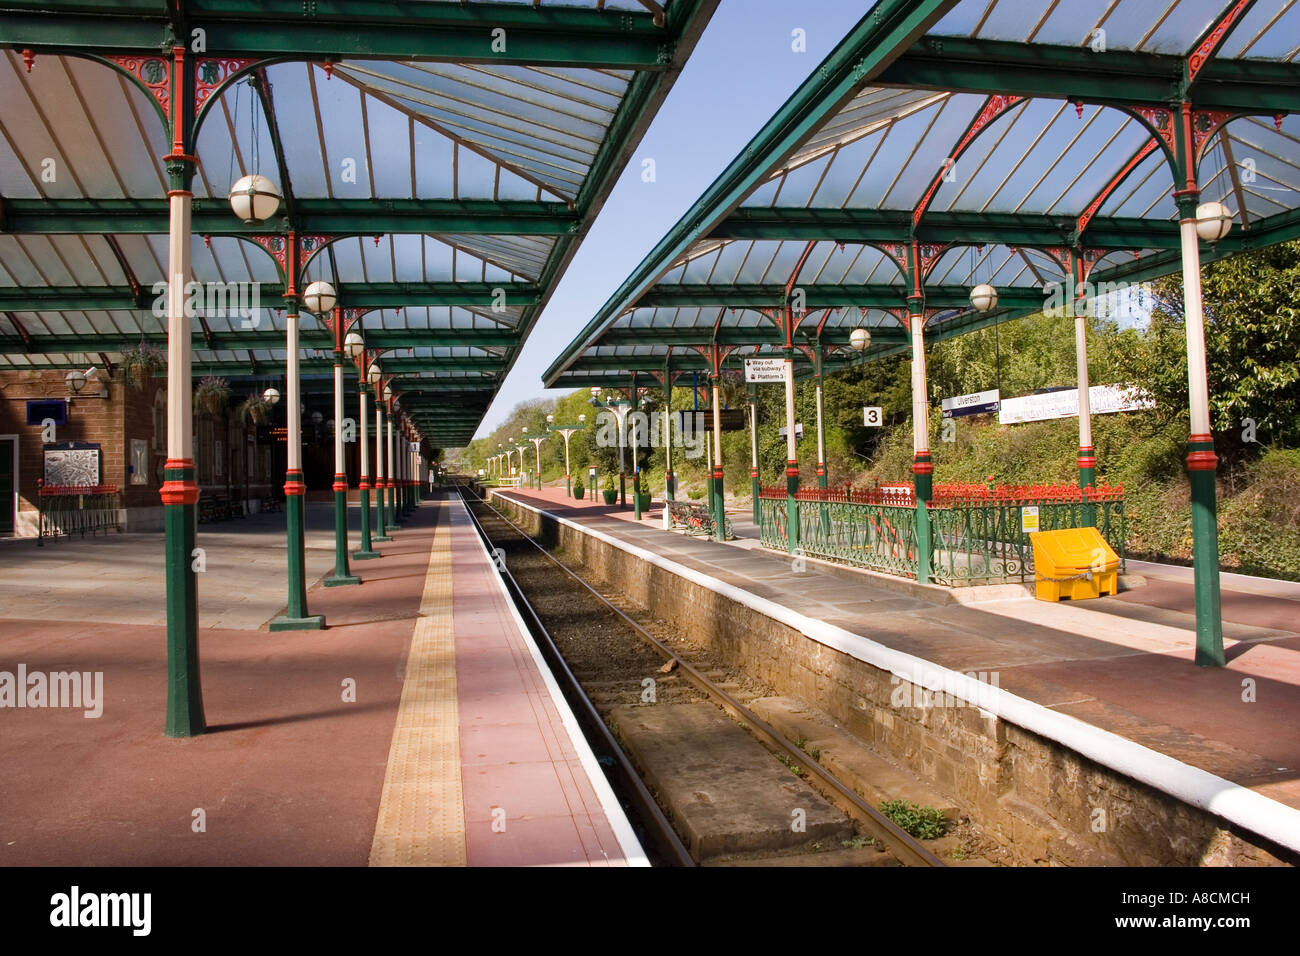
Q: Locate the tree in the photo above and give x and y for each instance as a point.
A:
(1252, 346)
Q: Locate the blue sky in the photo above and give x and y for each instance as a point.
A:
(740, 72)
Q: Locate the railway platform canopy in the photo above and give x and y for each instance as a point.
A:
(953, 164)
(277, 196)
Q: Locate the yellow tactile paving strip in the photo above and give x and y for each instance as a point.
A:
(421, 813)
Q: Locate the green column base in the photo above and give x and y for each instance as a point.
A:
(791, 506)
(184, 693)
(1205, 553)
(296, 617)
(380, 538)
(755, 489)
(365, 551)
(342, 573)
(923, 555)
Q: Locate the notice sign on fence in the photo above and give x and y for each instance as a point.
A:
(765, 370)
(1029, 518)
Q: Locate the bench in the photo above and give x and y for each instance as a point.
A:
(219, 508)
(271, 504)
(697, 519)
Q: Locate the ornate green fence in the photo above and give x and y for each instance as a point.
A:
(976, 535)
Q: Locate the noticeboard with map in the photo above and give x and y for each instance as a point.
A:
(72, 463)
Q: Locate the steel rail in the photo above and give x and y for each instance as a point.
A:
(905, 847)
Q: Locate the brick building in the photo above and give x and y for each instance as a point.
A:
(236, 460)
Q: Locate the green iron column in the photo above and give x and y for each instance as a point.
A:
(367, 549)
(1076, 273)
(670, 483)
(823, 510)
(1202, 463)
(922, 467)
(821, 426)
(636, 448)
(755, 487)
(791, 458)
(382, 526)
(180, 493)
(342, 572)
(717, 496)
(295, 617)
(393, 466)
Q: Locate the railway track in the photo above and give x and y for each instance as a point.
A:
(595, 662)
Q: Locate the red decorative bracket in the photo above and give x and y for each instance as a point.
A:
(1201, 55)
(152, 71)
(212, 71)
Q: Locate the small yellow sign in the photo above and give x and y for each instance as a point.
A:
(1029, 518)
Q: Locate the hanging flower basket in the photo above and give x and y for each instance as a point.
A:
(142, 363)
(212, 394)
(256, 408)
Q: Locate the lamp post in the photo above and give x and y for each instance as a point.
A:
(342, 572)
(620, 409)
(356, 349)
(537, 448)
(567, 431)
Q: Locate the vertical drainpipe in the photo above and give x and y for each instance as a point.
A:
(180, 492)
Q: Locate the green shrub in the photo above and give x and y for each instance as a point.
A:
(924, 823)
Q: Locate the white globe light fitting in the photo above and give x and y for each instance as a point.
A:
(984, 297)
(75, 380)
(320, 298)
(353, 345)
(388, 391)
(550, 419)
(271, 395)
(595, 391)
(254, 198)
(581, 419)
(1213, 221)
(859, 338)
(374, 374)
(316, 418)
